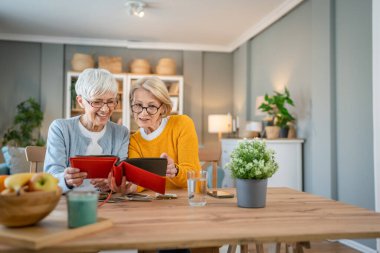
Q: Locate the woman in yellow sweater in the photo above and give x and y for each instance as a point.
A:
(160, 135)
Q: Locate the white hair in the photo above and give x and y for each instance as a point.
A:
(95, 82)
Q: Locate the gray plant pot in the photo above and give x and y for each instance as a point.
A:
(251, 193)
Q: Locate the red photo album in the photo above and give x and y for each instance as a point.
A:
(149, 174)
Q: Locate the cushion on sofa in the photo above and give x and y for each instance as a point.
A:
(15, 159)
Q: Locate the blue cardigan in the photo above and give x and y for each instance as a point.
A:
(65, 140)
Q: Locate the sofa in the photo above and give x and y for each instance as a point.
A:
(14, 161)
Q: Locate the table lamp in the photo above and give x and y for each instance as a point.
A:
(254, 126)
(219, 123)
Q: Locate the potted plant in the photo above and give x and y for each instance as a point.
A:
(252, 163)
(275, 107)
(23, 132)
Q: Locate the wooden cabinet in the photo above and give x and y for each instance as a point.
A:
(289, 158)
(122, 114)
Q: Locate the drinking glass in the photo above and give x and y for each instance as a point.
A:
(81, 208)
(197, 187)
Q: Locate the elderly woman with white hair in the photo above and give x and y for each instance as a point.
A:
(91, 133)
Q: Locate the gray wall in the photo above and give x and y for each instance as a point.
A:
(217, 89)
(279, 57)
(241, 91)
(354, 121)
(39, 70)
(20, 65)
(322, 52)
(354, 102)
(52, 86)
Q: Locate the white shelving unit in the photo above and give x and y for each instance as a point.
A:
(122, 113)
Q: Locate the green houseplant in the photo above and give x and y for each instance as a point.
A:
(252, 163)
(275, 107)
(23, 132)
(28, 120)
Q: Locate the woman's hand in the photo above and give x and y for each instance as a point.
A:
(101, 184)
(74, 177)
(124, 188)
(171, 169)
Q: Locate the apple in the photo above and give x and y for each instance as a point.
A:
(43, 182)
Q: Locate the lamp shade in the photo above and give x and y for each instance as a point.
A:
(254, 126)
(219, 123)
(259, 101)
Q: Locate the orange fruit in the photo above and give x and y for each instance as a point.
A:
(2, 179)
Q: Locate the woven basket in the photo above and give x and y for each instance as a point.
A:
(80, 62)
(166, 66)
(113, 64)
(140, 66)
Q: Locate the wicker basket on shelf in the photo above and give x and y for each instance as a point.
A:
(166, 66)
(113, 64)
(140, 66)
(80, 62)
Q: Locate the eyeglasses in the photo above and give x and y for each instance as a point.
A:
(99, 103)
(150, 109)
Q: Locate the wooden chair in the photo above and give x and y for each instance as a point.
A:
(35, 155)
(210, 155)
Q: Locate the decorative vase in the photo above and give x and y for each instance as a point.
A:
(284, 131)
(272, 132)
(265, 123)
(251, 193)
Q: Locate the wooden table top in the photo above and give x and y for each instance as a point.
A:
(288, 216)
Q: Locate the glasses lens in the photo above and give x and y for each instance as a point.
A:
(96, 104)
(151, 109)
(99, 104)
(111, 104)
(137, 108)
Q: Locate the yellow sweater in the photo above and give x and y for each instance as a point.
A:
(179, 140)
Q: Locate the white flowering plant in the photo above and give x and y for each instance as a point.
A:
(251, 159)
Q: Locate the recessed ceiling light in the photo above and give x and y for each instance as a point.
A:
(135, 8)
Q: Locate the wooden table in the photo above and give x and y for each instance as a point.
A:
(289, 216)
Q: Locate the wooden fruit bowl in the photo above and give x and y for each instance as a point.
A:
(28, 208)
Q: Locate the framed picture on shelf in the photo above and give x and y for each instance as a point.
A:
(174, 104)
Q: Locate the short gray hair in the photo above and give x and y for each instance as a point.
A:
(158, 88)
(95, 82)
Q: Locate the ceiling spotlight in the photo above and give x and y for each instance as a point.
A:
(135, 8)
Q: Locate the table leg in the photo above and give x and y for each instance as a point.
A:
(259, 248)
(232, 248)
(244, 248)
